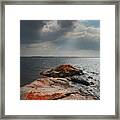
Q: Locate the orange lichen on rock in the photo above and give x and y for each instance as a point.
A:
(38, 96)
(66, 68)
(64, 82)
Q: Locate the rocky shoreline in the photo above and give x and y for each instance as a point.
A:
(64, 82)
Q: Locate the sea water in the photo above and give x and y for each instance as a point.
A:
(30, 67)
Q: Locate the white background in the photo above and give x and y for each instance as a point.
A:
(104, 13)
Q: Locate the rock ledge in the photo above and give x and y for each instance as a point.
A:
(63, 82)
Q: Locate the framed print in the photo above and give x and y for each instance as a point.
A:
(60, 60)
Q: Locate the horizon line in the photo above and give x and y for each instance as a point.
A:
(61, 56)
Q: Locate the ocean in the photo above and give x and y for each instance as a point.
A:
(30, 67)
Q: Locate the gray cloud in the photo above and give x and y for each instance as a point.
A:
(39, 31)
(80, 37)
(53, 37)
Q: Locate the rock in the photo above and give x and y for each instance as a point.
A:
(83, 82)
(80, 80)
(62, 71)
(90, 77)
(64, 82)
(91, 83)
(51, 89)
(78, 97)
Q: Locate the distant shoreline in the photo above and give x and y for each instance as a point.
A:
(55, 57)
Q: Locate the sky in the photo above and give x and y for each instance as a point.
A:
(60, 38)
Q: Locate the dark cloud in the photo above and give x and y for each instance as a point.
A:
(66, 24)
(41, 37)
(30, 30)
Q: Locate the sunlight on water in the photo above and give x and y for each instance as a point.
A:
(30, 67)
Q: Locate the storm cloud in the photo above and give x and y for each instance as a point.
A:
(32, 31)
(60, 37)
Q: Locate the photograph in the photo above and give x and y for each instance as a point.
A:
(59, 59)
